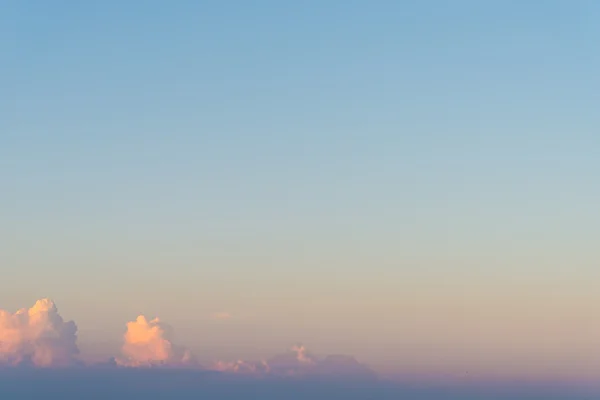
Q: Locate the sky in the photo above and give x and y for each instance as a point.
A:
(413, 183)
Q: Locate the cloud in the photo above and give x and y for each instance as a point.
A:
(343, 365)
(222, 315)
(299, 362)
(40, 337)
(37, 336)
(149, 343)
(242, 367)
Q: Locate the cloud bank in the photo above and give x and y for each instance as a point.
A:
(243, 367)
(37, 336)
(299, 362)
(149, 343)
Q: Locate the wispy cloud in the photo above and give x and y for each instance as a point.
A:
(221, 315)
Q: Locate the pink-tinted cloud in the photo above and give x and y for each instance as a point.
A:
(38, 335)
(148, 343)
(242, 367)
(298, 361)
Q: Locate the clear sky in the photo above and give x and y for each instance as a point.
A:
(411, 182)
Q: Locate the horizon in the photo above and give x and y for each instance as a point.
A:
(148, 344)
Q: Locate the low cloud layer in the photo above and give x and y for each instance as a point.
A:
(299, 362)
(242, 367)
(149, 343)
(37, 336)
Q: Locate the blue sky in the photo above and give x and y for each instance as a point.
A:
(306, 166)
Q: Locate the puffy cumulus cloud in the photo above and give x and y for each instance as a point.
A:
(149, 343)
(37, 336)
(299, 362)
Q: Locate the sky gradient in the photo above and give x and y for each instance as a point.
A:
(414, 183)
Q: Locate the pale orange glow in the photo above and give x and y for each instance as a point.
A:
(147, 342)
(222, 315)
